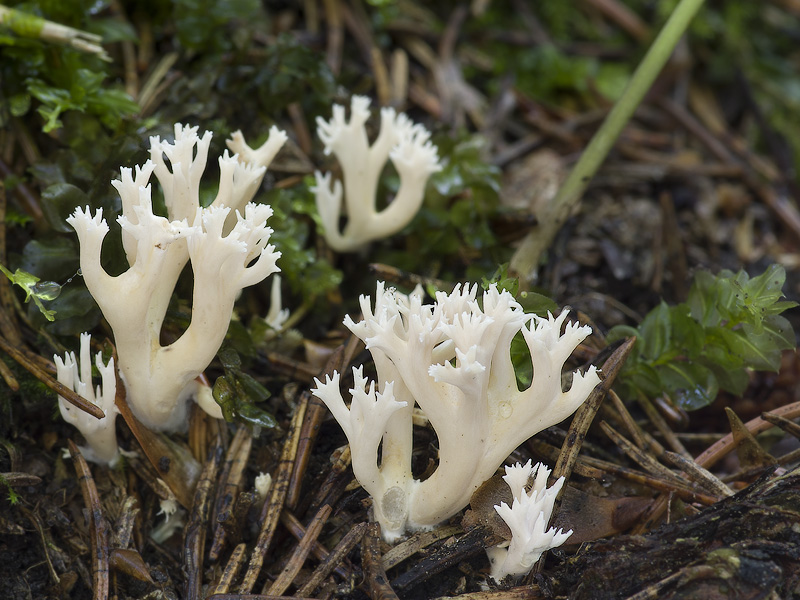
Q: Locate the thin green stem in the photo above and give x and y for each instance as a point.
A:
(527, 256)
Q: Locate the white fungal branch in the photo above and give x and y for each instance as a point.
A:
(76, 374)
(277, 315)
(221, 241)
(527, 518)
(453, 360)
(258, 157)
(409, 148)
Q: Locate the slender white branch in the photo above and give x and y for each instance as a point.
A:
(100, 434)
(413, 155)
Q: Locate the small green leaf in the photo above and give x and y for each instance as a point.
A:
(733, 379)
(767, 288)
(620, 332)
(113, 30)
(503, 281)
(238, 393)
(53, 258)
(28, 282)
(536, 303)
(701, 299)
(729, 324)
(756, 350)
(521, 359)
(687, 337)
(250, 413)
(780, 331)
(691, 385)
(59, 201)
(229, 358)
(224, 393)
(656, 332)
(254, 390)
(646, 378)
(19, 104)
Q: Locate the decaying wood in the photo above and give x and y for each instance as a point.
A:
(407, 548)
(462, 548)
(699, 475)
(585, 414)
(721, 448)
(745, 546)
(231, 571)
(315, 413)
(290, 522)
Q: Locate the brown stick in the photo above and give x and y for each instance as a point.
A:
(298, 558)
(27, 363)
(194, 542)
(97, 524)
(230, 571)
(230, 483)
(327, 566)
(274, 506)
(720, 449)
(585, 414)
(379, 587)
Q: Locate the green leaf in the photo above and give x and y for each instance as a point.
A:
(620, 332)
(756, 350)
(77, 312)
(229, 358)
(712, 298)
(254, 390)
(690, 385)
(29, 284)
(250, 413)
(531, 302)
(521, 359)
(224, 393)
(536, 303)
(646, 378)
(687, 337)
(238, 393)
(764, 290)
(19, 104)
(780, 331)
(53, 258)
(59, 201)
(113, 30)
(503, 281)
(731, 379)
(656, 332)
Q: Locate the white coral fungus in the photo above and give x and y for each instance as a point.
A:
(413, 155)
(527, 518)
(76, 374)
(227, 244)
(453, 360)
